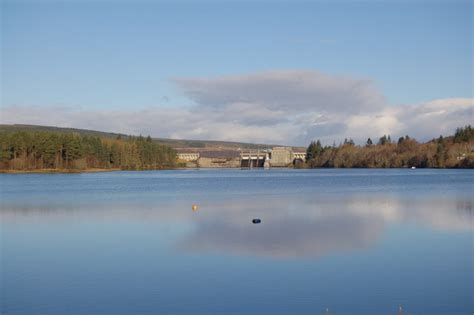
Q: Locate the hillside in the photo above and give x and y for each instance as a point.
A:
(194, 145)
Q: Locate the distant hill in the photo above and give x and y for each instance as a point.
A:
(191, 145)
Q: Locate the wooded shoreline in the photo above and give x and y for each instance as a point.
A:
(34, 151)
(53, 152)
(79, 171)
(60, 171)
(105, 170)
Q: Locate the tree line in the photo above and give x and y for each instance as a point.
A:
(444, 152)
(36, 150)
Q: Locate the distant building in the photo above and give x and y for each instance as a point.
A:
(188, 156)
(275, 157)
(219, 159)
(461, 157)
(281, 157)
(299, 156)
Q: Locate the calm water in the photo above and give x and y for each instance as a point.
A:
(353, 241)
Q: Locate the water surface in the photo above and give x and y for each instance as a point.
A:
(353, 241)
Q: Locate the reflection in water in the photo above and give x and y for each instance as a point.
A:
(291, 226)
(308, 228)
(127, 243)
(290, 237)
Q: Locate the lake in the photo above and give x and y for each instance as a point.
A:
(330, 241)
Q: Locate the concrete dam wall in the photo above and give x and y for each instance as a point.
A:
(274, 157)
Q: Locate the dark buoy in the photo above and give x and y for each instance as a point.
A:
(256, 221)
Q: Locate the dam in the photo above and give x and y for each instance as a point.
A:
(248, 158)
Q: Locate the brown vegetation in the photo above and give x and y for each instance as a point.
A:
(450, 152)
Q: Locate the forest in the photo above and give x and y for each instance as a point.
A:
(40, 150)
(72, 151)
(444, 152)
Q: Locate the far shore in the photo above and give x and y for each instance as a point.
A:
(60, 171)
(97, 170)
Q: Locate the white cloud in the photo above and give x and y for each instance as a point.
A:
(287, 107)
(289, 91)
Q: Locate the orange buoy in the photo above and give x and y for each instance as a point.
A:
(194, 207)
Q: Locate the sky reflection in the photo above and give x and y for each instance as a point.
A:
(128, 242)
(292, 226)
(310, 228)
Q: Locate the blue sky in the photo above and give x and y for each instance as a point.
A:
(125, 56)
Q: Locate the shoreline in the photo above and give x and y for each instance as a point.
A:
(60, 171)
(100, 170)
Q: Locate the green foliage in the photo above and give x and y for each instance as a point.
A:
(52, 150)
(385, 140)
(464, 134)
(314, 150)
(441, 154)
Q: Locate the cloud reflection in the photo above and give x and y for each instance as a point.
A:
(314, 228)
(292, 226)
(290, 237)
